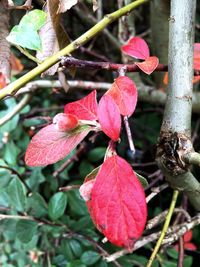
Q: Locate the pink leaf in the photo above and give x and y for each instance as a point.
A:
(149, 65)
(85, 108)
(118, 205)
(124, 93)
(109, 117)
(137, 48)
(50, 145)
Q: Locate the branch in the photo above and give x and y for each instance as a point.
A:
(108, 19)
(173, 234)
(86, 64)
(192, 158)
(175, 136)
(16, 109)
(147, 93)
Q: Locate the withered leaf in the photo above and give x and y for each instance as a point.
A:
(52, 35)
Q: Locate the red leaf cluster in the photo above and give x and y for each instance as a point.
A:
(138, 48)
(113, 193)
(116, 202)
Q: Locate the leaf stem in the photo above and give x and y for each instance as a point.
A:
(108, 19)
(28, 55)
(165, 228)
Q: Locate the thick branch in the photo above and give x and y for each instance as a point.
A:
(178, 108)
(175, 137)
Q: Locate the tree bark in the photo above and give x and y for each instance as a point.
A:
(175, 136)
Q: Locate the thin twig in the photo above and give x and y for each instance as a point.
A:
(164, 230)
(86, 64)
(161, 217)
(16, 109)
(156, 191)
(181, 252)
(129, 135)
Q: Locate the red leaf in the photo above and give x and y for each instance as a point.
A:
(65, 122)
(137, 48)
(149, 65)
(85, 108)
(50, 145)
(109, 117)
(196, 64)
(187, 236)
(124, 93)
(190, 246)
(118, 205)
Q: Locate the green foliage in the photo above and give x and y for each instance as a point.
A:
(26, 33)
(16, 194)
(57, 205)
(26, 230)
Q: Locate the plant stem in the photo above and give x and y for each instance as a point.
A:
(108, 19)
(164, 230)
(83, 64)
(28, 55)
(16, 109)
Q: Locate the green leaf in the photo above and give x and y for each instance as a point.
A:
(57, 205)
(35, 179)
(34, 19)
(25, 37)
(11, 153)
(25, 230)
(96, 154)
(187, 261)
(17, 194)
(76, 204)
(143, 180)
(36, 205)
(71, 249)
(84, 168)
(90, 257)
(172, 253)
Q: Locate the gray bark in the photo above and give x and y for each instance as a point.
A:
(175, 136)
